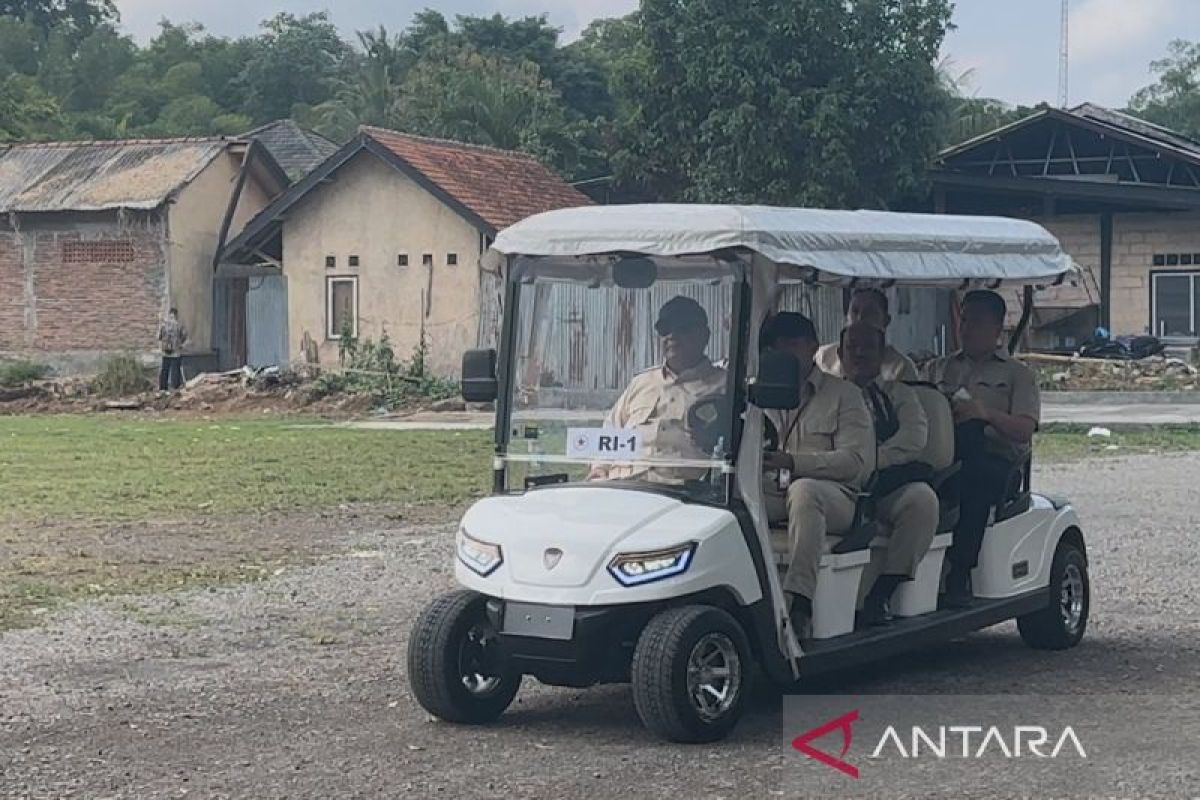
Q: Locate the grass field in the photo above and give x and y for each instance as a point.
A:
(113, 469)
(93, 506)
(100, 468)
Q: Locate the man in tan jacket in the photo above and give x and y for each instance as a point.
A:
(826, 454)
(869, 305)
(656, 402)
(907, 507)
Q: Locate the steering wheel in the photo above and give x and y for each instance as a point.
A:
(709, 420)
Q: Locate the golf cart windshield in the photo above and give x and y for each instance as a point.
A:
(618, 372)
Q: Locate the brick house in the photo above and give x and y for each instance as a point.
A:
(1121, 194)
(385, 236)
(98, 239)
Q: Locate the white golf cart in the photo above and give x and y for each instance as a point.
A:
(668, 575)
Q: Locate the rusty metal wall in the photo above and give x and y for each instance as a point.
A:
(586, 341)
(821, 304)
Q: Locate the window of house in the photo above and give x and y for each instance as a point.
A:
(98, 251)
(1176, 300)
(330, 262)
(451, 259)
(402, 260)
(341, 307)
(427, 260)
(354, 261)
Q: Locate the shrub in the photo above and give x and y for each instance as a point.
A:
(371, 368)
(19, 373)
(121, 376)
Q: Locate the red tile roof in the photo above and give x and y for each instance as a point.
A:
(500, 186)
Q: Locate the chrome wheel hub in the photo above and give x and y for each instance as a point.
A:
(474, 659)
(1072, 598)
(714, 675)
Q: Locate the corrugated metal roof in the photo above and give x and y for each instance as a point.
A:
(97, 176)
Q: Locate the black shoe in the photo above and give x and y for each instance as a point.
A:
(801, 615)
(873, 616)
(958, 589)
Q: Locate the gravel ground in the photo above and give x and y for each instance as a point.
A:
(295, 687)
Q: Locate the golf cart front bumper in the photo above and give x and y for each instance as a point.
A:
(574, 646)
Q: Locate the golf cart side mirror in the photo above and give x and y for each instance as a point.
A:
(479, 384)
(777, 386)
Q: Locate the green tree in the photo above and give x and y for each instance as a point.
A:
(100, 60)
(298, 62)
(798, 102)
(76, 17)
(27, 112)
(19, 41)
(1173, 101)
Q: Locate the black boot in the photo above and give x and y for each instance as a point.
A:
(875, 605)
(958, 588)
(800, 614)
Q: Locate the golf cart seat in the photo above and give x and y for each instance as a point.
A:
(939, 452)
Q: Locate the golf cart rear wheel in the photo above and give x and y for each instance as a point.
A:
(691, 671)
(1062, 623)
(456, 666)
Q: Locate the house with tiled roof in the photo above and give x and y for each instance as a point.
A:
(99, 238)
(385, 236)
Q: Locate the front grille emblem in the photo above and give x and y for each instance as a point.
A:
(551, 557)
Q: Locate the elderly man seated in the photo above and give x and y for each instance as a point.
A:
(906, 507)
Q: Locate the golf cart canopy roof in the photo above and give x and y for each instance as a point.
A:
(830, 247)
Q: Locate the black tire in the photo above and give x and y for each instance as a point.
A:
(452, 645)
(662, 690)
(1062, 623)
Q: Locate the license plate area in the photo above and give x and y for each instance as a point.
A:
(542, 622)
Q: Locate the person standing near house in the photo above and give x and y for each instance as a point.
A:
(171, 335)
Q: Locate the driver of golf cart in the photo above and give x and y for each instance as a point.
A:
(660, 402)
(826, 454)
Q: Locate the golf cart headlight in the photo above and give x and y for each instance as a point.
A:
(479, 557)
(633, 569)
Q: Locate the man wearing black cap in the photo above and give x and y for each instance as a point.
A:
(657, 400)
(826, 453)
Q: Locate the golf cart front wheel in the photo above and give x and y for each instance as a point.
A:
(1062, 623)
(456, 666)
(691, 670)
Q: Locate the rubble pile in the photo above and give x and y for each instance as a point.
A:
(1153, 374)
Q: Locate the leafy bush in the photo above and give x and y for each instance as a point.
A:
(371, 368)
(121, 376)
(18, 373)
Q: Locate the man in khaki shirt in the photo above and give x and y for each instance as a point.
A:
(657, 401)
(997, 406)
(826, 454)
(869, 306)
(907, 507)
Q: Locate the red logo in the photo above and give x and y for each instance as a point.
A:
(842, 723)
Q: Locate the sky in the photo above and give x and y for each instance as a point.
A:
(1007, 49)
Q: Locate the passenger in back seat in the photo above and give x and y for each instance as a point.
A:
(869, 305)
(996, 409)
(907, 507)
(826, 453)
